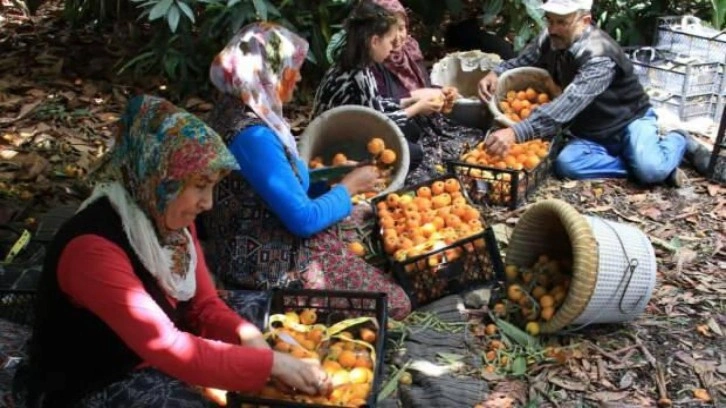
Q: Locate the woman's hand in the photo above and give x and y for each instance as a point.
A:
(428, 106)
(300, 375)
(427, 93)
(361, 180)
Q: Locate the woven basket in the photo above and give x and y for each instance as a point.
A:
(348, 129)
(519, 79)
(605, 287)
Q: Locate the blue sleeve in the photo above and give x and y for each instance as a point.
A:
(264, 165)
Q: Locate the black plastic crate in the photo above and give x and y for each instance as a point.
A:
(466, 263)
(491, 186)
(17, 306)
(331, 306)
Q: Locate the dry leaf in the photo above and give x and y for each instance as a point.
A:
(701, 394)
(703, 329)
(569, 184)
(567, 384)
(32, 165)
(651, 212)
(26, 109)
(713, 189)
(605, 396)
(714, 326)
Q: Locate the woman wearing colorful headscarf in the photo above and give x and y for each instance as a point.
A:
(397, 84)
(127, 313)
(269, 228)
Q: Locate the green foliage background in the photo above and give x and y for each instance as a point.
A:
(180, 37)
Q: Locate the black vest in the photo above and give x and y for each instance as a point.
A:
(72, 351)
(621, 103)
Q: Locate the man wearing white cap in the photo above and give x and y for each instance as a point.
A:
(603, 104)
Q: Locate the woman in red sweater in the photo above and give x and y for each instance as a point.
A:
(128, 314)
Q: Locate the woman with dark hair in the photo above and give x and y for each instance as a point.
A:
(371, 33)
(395, 83)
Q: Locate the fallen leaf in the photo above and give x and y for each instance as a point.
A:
(713, 189)
(714, 326)
(627, 380)
(567, 384)
(26, 109)
(605, 396)
(701, 394)
(703, 329)
(637, 198)
(32, 165)
(651, 212)
(569, 184)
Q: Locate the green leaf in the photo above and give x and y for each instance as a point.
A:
(519, 366)
(160, 9)
(516, 334)
(450, 358)
(231, 3)
(136, 60)
(172, 17)
(186, 10)
(261, 8)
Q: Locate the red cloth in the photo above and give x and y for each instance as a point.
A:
(97, 275)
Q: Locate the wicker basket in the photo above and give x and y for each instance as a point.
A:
(613, 264)
(347, 129)
(520, 79)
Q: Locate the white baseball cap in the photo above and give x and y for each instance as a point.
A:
(564, 7)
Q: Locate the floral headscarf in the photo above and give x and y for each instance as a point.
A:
(260, 65)
(404, 62)
(160, 147)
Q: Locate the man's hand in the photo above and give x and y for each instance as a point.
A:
(488, 85)
(499, 142)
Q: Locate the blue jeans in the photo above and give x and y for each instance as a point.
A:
(642, 154)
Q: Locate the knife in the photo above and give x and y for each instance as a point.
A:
(335, 172)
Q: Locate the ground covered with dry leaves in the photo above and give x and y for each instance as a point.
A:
(60, 97)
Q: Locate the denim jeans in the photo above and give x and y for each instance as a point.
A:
(642, 154)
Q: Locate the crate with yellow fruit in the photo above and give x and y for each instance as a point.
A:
(343, 330)
(507, 180)
(436, 241)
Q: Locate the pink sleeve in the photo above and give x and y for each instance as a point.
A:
(97, 275)
(209, 314)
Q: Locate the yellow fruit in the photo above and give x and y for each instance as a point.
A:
(308, 316)
(547, 301)
(406, 378)
(357, 248)
(339, 159)
(532, 328)
(514, 293)
(388, 156)
(547, 313)
(368, 335)
(376, 145)
(500, 310)
(511, 272)
(491, 329)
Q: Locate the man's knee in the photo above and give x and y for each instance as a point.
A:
(567, 164)
(649, 173)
